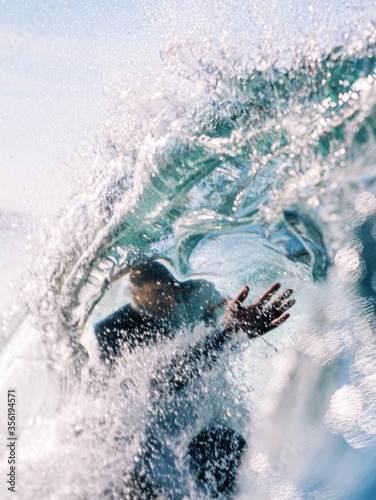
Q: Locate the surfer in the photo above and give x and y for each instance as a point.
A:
(160, 305)
(214, 455)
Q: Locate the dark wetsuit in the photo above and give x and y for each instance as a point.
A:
(215, 454)
(128, 329)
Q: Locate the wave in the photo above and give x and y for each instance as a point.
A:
(236, 170)
(243, 157)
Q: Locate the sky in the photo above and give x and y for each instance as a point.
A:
(54, 61)
(56, 57)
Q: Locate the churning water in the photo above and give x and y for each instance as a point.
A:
(245, 156)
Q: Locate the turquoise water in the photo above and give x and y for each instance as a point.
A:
(237, 169)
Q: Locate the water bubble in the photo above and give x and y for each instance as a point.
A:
(344, 409)
(347, 262)
(365, 203)
(313, 201)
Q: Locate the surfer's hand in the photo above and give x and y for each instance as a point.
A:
(260, 317)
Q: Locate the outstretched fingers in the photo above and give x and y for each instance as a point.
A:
(242, 295)
(279, 321)
(279, 301)
(264, 299)
(274, 311)
(262, 316)
(286, 306)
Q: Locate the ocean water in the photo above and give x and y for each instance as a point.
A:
(242, 157)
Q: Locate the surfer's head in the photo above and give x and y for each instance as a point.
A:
(154, 289)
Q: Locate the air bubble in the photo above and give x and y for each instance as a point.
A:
(365, 203)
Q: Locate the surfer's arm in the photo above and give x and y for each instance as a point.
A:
(255, 320)
(187, 365)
